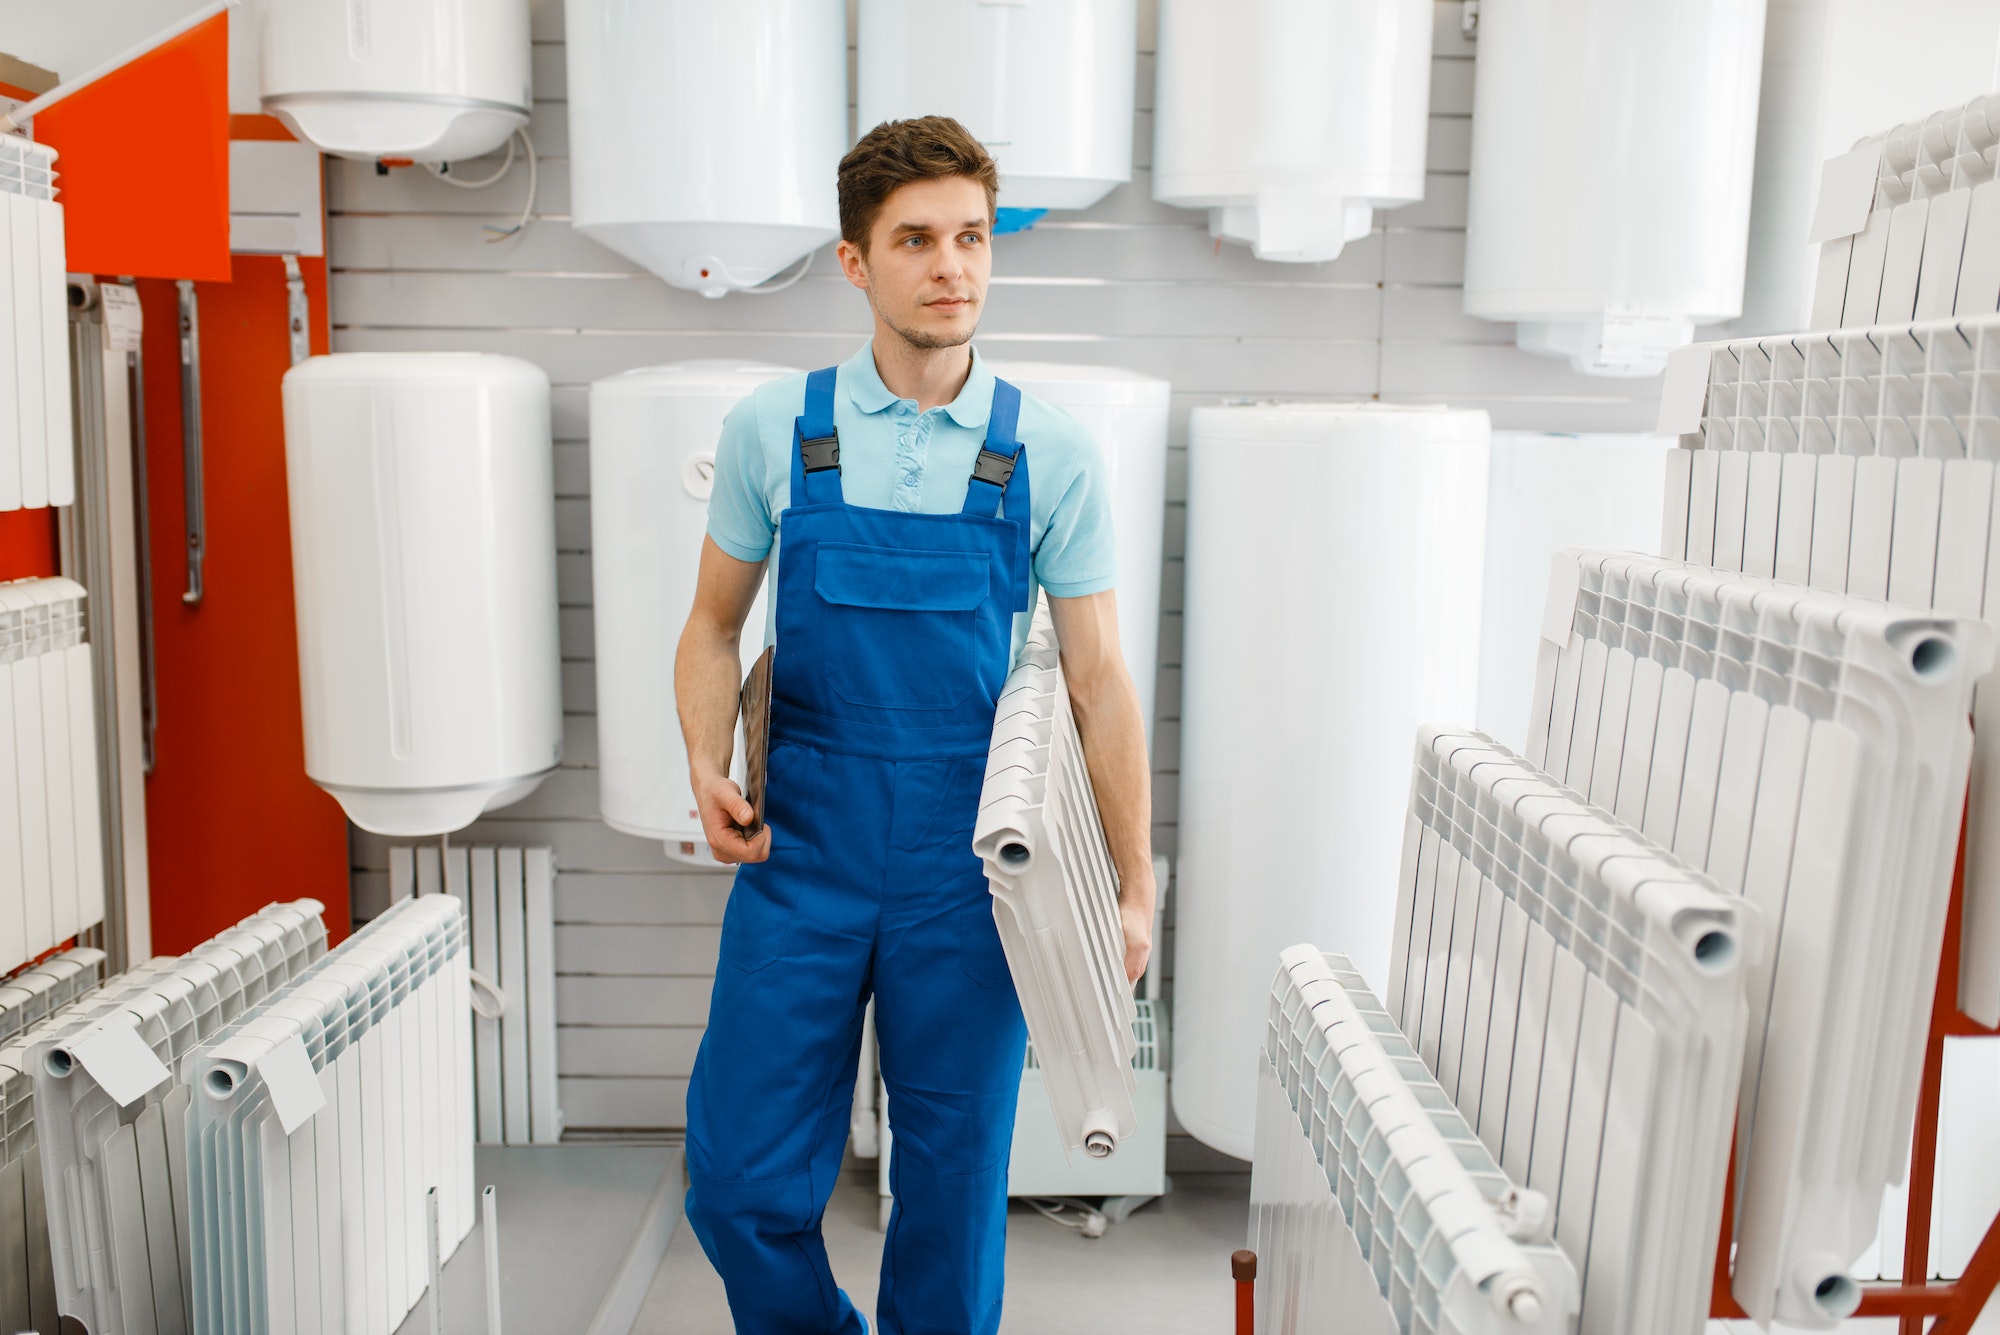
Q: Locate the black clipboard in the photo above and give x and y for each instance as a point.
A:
(755, 703)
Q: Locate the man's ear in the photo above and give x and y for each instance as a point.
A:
(852, 263)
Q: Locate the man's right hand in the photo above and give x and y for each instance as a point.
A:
(724, 810)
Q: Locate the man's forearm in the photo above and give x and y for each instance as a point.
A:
(1114, 750)
(705, 691)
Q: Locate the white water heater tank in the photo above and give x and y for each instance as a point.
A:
(704, 138)
(1291, 121)
(424, 565)
(1046, 85)
(1611, 169)
(429, 80)
(652, 463)
(1327, 619)
(1126, 413)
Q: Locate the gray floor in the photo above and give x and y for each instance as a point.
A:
(1164, 1271)
(568, 1214)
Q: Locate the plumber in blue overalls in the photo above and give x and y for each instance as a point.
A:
(914, 506)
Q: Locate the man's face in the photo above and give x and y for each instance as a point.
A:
(928, 261)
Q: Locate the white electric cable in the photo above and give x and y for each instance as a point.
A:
(506, 163)
(774, 284)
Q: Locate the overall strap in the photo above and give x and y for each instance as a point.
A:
(816, 445)
(1001, 475)
(993, 472)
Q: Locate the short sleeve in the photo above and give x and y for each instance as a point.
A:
(1078, 555)
(739, 510)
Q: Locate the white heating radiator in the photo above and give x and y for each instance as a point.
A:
(1055, 899)
(53, 887)
(111, 1119)
(36, 456)
(326, 1115)
(27, 1274)
(509, 899)
(1861, 462)
(1374, 1209)
(1809, 751)
(1910, 223)
(1579, 994)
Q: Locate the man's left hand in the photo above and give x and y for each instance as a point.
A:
(1138, 925)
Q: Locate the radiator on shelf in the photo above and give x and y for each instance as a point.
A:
(111, 1119)
(37, 465)
(1055, 899)
(1909, 223)
(1374, 1209)
(508, 895)
(326, 1113)
(1579, 994)
(1808, 750)
(49, 807)
(1861, 462)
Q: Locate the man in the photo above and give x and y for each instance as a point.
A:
(914, 505)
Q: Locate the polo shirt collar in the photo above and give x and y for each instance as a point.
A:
(867, 392)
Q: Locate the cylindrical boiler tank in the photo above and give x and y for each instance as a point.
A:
(652, 463)
(1126, 413)
(704, 138)
(432, 80)
(1611, 170)
(1047, 86)
(1291, 121)
(424, 562)
(1333, 593)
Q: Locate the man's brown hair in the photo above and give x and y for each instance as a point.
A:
(895, 153)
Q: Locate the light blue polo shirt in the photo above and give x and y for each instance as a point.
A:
(893, 457)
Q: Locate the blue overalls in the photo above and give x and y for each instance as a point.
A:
(895, 632)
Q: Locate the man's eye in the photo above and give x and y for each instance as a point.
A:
(972, 238)
(913, 241)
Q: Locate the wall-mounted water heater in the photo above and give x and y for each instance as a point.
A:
(429, 80)
(1046, 86)
(1313, 655)
(1611, 169)
(704, 137)
(1291, 121)
(424, 563)
(652, 462)
(1126, 414)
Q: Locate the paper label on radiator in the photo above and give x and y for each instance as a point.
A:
(1559, 612)
(123, 324)
(295, 1090)
(1684, 390)
(1846, 194)
(120, 1062)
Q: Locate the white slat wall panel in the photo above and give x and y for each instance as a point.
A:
(1128, 282)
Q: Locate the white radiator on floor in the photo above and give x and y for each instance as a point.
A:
(52, 876)
(1374, 1209)
(1055, 898)
(1862, 462)
(111, 1118)
(509, 899)
(325, 1116)
(27, 1275)
(1579, 994)
(1809, 751)
(36, 454)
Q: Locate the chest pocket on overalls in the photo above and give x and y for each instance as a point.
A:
(901, 624)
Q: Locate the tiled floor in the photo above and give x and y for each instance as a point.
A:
(1164, 1271)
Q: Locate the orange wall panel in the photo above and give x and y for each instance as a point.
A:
(232, 820)
(27, 544)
